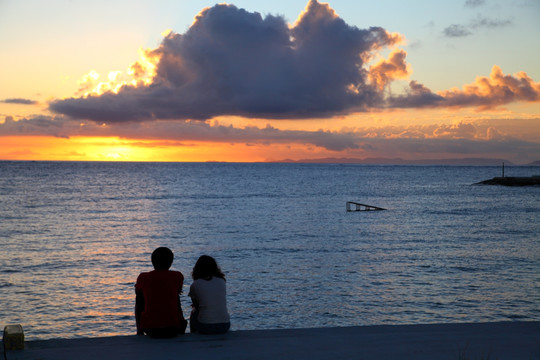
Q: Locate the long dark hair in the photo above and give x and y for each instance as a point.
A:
(205, 268)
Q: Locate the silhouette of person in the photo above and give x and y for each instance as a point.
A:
(208, 294)
(158, 312)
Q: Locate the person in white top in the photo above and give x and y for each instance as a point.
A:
(209, 296)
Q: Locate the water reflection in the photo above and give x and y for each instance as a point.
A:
(75, 237)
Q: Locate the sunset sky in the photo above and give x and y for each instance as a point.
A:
(190, 80)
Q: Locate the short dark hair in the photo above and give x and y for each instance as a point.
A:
(205, 268)
(162, 258)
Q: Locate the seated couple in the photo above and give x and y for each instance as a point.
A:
(158, 312)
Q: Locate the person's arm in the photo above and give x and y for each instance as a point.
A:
(139, 307)
(193, 296)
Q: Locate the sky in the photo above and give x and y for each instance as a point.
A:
(251, 81)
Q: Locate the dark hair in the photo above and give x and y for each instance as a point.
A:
(162, 258)
(205, 268)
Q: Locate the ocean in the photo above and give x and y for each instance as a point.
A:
(75, 235)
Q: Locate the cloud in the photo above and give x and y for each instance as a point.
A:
(19, 101)
(233, 62)
(495, 90)
(385, 71)
(456, 131)
(483, 22)
(417, 96)
(474, 3)
(446, 140)
(484, 93)
(481, 138)
(456, 31)
(37, 125)
(480, 22)
(63, 127)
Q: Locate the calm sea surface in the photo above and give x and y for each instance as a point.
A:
(74, 237)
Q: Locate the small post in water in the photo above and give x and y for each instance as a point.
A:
(503, 169)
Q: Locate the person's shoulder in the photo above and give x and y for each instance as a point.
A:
(209, 282)
(160, 274)
(143, 275)
(197, 282)
(142, 279)
(174, 273)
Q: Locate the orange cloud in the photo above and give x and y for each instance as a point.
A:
(143, 71)
(140, 73)
(485, 93)
(316, 12)
(461, 130)
(385, 70)
(495, 90)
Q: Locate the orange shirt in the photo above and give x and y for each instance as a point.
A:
(161, 290)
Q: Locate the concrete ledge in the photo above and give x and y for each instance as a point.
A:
(504, 340)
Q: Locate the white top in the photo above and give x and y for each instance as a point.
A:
(210, 297)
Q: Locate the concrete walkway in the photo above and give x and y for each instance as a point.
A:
(507, 340)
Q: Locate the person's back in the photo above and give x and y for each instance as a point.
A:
(157, 310)
(211, 299)
(209, 296)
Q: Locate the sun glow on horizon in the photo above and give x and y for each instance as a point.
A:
(72, 149)
(42, 148)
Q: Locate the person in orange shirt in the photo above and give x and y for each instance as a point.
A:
(158, 312)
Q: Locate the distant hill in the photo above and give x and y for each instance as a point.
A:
(399, 161)
(534, 163)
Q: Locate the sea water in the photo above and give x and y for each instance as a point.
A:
(75, 235)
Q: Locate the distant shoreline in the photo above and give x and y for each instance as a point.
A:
(358, 161)
(400, 161)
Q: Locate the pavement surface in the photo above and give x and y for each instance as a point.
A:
(503, 340)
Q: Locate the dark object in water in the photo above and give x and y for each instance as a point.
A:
(354, 206)
(512, 181)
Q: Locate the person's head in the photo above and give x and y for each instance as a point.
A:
(162, 258)
(205, 268)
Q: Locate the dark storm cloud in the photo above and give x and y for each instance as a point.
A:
(19, 101)
(232, 62)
